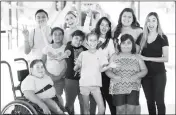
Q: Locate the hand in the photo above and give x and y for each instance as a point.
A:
(112, 65)
(143, 57)
(89, 13)
(25, 33)
(45, 109)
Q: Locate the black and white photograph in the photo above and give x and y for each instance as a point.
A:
(88, 57)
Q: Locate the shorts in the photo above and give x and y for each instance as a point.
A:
(86, 90)
(59, 86)
(122, 99)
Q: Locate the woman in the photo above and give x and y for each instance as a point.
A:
(103, 30)
(39, 37)
(154, 50)
(128, 24)
(71, 19)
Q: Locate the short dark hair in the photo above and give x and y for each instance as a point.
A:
(126, 37)
(36, 61)
(78, 33)
(41, 10)
(57, 28)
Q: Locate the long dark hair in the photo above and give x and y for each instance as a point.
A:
(134, 24)
(108, 34)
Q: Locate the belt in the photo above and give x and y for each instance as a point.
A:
(44, 89)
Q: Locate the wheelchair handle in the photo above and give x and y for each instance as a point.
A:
(11, 77)
(22, 59)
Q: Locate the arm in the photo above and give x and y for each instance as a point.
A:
(143, 71)
(86, 27)
(110, 74)
(46, 36)
(77, 66)
(29, 94)
(164, 58)
(27, 47)
(66, 54)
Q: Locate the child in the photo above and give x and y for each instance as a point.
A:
(72, 79)
(34, 83)
(38, 38)
(126, 78)
(92, 62)
(53, 56)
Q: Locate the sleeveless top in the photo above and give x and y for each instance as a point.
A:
(129, 67)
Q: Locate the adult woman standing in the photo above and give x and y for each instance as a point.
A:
(128, 24)
(154, 50)
(39, 37)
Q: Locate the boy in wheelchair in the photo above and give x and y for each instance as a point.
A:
(38, 88)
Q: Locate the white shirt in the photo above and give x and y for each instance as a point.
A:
(109, 49)
(36, 84)
(90, 70)
(36, 41)
(52, 64)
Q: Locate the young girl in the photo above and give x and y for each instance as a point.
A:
(126, 77)
(39, 37)
(52, 57)
(128, 24)
(92, 62)
(154, 48)
(103, 30)
(32, 87)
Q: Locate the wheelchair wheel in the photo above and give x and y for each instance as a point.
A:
(19, 107)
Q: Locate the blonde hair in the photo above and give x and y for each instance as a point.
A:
(146, 31)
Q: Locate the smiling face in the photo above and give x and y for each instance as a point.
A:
(152, 23)
(57, 36)
(126, 46)
(41, 19)
(92, 41)
(77, 41)
(127, 19)
(70, 20)
(38, 70)
(104, 27)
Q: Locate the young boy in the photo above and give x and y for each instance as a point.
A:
(33, 85)
(73, 48)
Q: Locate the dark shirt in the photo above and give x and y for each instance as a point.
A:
(154, 49)
(75, 51)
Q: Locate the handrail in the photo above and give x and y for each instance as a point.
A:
(11, 77)
(22, 59)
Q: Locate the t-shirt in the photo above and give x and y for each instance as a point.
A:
(129, 67)
(90, 68)
(36, 41)
(109, 49)
(53, 65)
(154, 49)
(75, 51)
(36, 84)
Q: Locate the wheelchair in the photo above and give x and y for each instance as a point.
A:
(21, 105)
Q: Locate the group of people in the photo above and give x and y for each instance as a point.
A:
(98, 65)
